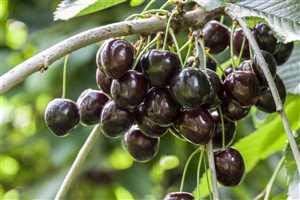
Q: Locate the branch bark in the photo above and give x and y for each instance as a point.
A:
(45, 58)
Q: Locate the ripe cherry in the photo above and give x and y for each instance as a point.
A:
(265, 37)
(114, 120)
(232, 109)
(230, 167)
(141, 147)
(238, 38)
(179, 196)
(160, 66)
(283, 52)
(160, 107)
(61, 116)
(216, 88)
(190, 87)
(115, 57)
(266, 102)
(216, 36)
(103, 81)
(130, 89)
(242, 86)
(90, 104)
(196, 125)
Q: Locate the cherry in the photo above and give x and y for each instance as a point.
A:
(160, 66)
(227, 71)
(141, 147)
(246, 65)
(238, 38)
(160, 107)
(130, 89)
(232, 109)
(90, 104)
(216, 36)
(242, 86)
(196, 125)
(265, 37)
(116, 57)
(216, 88)
(266, 102)
(283, 52)
(61, 116)
(103, 81)
(179, 196)
(114, 120)
(190, 87)
(230, 167)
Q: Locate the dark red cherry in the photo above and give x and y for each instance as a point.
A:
(266, 102)
(61, 116)
(160, 107)
(130, 89)
(227, 71)
(230, 167)
(283, 52)
(272, 65)
(160, 66)
(211, 64)
(116, 57)
(196, 125)
(246, 65)
(216, 88)
(216, 36)
(103, 81)
(141, 147)
(190, 87)
(232, 109)
(238, 38)
(179, 196)
(114, 120)
(243, 86)
(90, 104)
(265, 37)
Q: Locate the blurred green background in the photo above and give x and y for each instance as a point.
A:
(33, 161)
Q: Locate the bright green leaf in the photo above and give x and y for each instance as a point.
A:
(168, 162)
(135, 3)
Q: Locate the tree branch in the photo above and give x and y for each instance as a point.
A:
(45, 58)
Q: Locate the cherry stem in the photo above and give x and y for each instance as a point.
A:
(167, 30)
(231, 45)
(64, 83)
(211, 164)
(242, 50)
(198, 172)
(188, 52)
(176, 45)
(207, 179)
(223, 126)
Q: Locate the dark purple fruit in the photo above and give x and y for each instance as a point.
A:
(283, 52)
(130, 89)
(232, 109)
(190, 87)
(211, 64)
(238, 38)
(61, 116)
(114, 120)
(90, 104)
(243, 86)
(266, 102)
(103, 81)
(265, 37)
(179, 196)
(216, 88)
(141, 147)
(196, 125)
(116, 57)
(160, 107)
(227, 71)
(230, 167)
(216, 36)
(160, 66)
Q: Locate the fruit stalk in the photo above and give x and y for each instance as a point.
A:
(211, 164)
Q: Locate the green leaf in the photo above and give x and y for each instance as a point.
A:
(68, 9)
(290, 164)
(282, 15)
(135, 3)
(263, 142)
(168, 162)
(210, 4)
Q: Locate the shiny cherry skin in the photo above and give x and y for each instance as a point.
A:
(129, 90)
(232, 109)
(265, 37)
(61, 116)
(160, 66)
(90, 104)
(216, 36)
(196, 125)
(114, 120)
(190, 88)
(243, 86)
(141, 147)
(283, 52)
(160, 107)
(216, 88)
(179, 196)
(103, 81)
(230, 167)
(238, 38)
(116, 57)
(266, 102)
